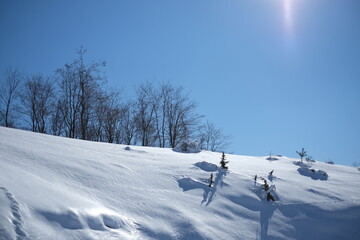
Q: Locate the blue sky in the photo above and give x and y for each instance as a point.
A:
(277, 75)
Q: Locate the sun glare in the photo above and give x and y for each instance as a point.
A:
(288, 16)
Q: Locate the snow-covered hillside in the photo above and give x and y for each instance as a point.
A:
(59, 188)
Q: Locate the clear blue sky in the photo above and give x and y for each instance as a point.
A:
(277, 75)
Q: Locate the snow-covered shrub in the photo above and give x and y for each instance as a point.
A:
(314, 174)
(356, 164)
(321, 173)
(188, 147)
(271, 158)
(262, 193)
(310, 159)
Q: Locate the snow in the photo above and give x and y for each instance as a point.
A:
(58, 188)
(206, 166)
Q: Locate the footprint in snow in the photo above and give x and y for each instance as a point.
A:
(98, 221)
(16, 218)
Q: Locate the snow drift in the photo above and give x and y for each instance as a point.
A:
(58, 188)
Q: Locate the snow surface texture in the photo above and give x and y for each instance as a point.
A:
(58, 188)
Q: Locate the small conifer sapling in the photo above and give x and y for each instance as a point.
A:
(211, 179)
(266, 185)
(223, 162)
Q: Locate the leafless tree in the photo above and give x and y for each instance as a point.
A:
(180, 116)
(57, 120)
(89, 81)
(96, 130)
(212, 138)
(160, 114)
(129, 120)
(111, 115)
(37, 102)
(168, 113)
(68, 105)
(9, 94)
(79, 107)
(80, 86)
(146, 108)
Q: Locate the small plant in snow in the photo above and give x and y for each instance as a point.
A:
(356, 164)
(309, 160)
(211, 179)
(302, 154)
(223, 162)
(271, 158)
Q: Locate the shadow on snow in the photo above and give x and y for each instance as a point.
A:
(189, 183)
(308, 221)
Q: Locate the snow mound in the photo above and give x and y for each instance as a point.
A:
(314, 174)
(188, 183)
(206, 166)
(67, 219)
(261, 193)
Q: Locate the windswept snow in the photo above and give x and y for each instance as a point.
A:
(59, 188)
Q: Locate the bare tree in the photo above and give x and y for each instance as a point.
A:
(212, 138)
(9, 93)
(80, 89)
(165, 114)
(129, 120)
(180, 116)
(89, 81)
(146, 108)
(68, 106)
(57, 121)
(109, 117)
(37, 102)
(160, 118)
(79, 107)
(98, 125)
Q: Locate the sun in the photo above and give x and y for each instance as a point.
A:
(288, 16)
(289, 31)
